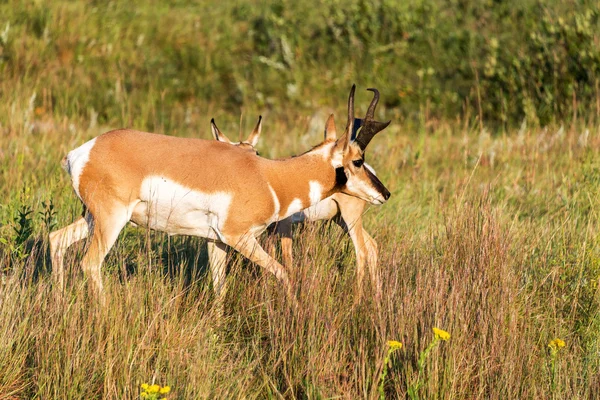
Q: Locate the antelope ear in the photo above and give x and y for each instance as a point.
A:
(255, 134)
(217, 133)
(330, 131)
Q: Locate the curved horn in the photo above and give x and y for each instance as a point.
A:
(370, 127)
(371, 110)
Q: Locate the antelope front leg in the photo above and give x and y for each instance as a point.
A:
(372, 254)
(250, 248)
(356, 234)
(351, 212)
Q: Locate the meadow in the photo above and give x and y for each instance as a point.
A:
(491, 232)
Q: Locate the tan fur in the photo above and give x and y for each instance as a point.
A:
(219, 191)
(345, 210)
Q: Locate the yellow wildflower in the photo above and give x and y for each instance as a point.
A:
(394, 345)
(441, 334)
(165, 390)
(145, 386)
(154, 389)
(556, 344)
(144, 395)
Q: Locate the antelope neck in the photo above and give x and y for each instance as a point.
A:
(300, 182)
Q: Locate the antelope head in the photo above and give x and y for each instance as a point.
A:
(348, 153)
(249, 144)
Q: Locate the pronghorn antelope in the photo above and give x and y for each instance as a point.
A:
(344, 209)
(204, 188)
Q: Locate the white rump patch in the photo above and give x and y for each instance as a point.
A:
(316, 191)
(295, 206)
(178, 210)
(76, 162)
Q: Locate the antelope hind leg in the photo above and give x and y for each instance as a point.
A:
(60, 241)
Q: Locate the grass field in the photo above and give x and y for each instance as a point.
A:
(490, 235)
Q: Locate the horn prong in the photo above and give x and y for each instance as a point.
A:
(370, 126)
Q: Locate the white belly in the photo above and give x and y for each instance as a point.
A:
(178, 210)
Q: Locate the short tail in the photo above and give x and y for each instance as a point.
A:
(64, 163)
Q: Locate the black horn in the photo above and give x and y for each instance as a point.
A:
(371, 110)
(351, 109)
(370, 126)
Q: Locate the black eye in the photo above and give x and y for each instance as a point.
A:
(358, 163)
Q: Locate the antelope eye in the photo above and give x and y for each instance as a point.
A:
(358, 163)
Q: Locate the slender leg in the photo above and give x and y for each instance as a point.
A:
(356, 234)
(372, 254)
(351, 210)
(217, 254)
(217, 257)
(286, 249)
(284, 231)
(250, 248)
(272, 235)
(107, 223)
(60, 240)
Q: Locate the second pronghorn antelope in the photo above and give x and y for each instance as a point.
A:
(344, 209)
(204, 188)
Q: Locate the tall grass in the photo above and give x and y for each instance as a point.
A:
(493, 237)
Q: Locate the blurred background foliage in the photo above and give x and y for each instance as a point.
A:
(500, 61)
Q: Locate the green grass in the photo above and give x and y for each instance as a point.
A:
(493, 237)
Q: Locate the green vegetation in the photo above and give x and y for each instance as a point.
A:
(158, 66)
(492, 231)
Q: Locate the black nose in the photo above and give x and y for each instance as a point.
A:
(386, 194)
